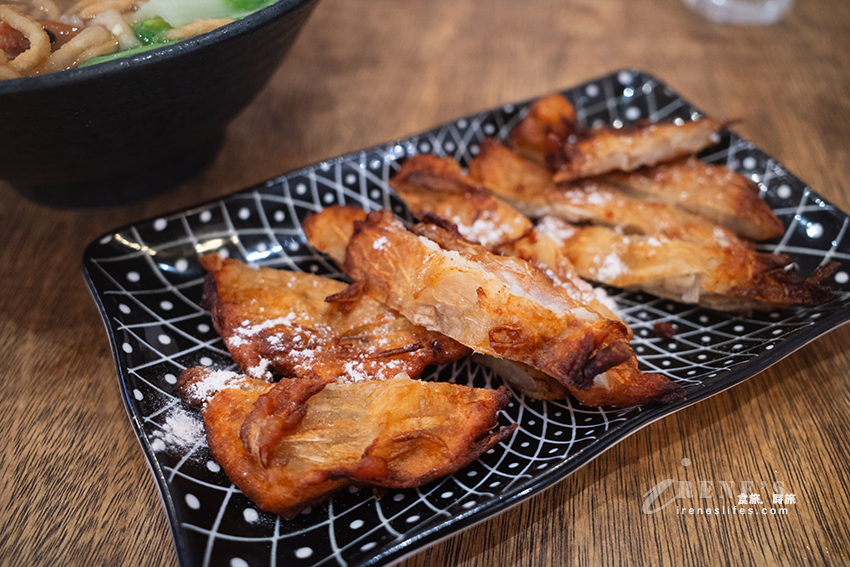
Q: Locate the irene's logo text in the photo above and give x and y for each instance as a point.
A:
(745, 497)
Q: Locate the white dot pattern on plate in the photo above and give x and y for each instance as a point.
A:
(814, 230)
(551, 434)
(633, 113)
(192, 501)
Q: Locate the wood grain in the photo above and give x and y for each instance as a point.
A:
(74, 486)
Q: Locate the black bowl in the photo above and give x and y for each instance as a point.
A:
(127, 129)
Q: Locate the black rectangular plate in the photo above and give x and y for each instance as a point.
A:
(147, 282)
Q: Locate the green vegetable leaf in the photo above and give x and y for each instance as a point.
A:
(122, 54)
(152, 30)
(245, 5)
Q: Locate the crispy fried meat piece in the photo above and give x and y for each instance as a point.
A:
(727, 278)
(621, 386)
(532, 190)
(433, 185)
(573, 152)
(627, 149)
(713, 192)
(429, 183)
(304, 325)
(549, 123)
(496, 305)
(656, 247)
(332, 237)
(290, 445)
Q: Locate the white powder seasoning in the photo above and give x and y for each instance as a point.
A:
(204, 390)
(381, 243)
(249, 330)
(610, 268)
(485, 231)
(353, 372)
(181, 430)
(261, 371)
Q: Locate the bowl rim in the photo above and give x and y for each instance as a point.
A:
(166, 52)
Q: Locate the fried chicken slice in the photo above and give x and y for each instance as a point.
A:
(436, 185)
(292, 444)
(496, 305)
(429, 184)
(274, 321)
(713, 192)
(330, 231)
(532, 190)
(727, 278)
(608, 149)
(550, 135)
(549, 123)
(621, 386)
(332, 237)
(700, 262)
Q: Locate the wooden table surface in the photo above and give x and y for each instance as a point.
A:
(75, 486)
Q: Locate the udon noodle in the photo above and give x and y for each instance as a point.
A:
(44, 36)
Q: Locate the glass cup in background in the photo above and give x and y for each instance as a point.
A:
(745, 12)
